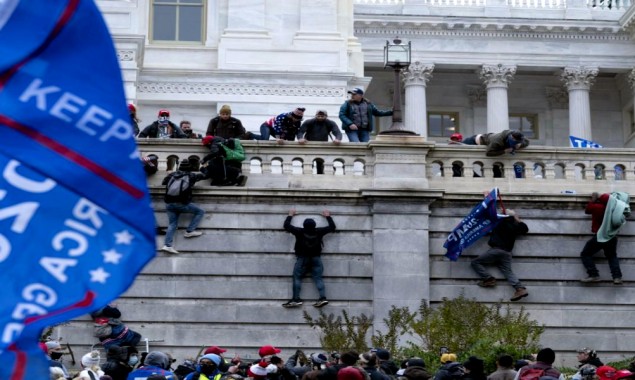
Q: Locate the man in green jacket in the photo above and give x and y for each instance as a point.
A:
(357, 114)
(224, 162)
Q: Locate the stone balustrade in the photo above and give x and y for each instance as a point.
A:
(391, 163)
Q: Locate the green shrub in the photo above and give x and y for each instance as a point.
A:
(341, 333)
(465, 326)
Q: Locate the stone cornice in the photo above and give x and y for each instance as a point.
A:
(488, 31)
(241, 89)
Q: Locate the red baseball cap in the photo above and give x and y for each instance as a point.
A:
(214, 350)
(606, 372)
(268, 350)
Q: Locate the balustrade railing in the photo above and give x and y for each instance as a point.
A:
(614, 6)
(452, 168)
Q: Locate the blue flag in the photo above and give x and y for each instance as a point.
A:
(76, 224)
(481, 220)
(578, 142)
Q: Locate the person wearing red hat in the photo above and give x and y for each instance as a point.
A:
(456, 139)
(163, 128)
(606, 372)
(223, 164)
(268, 351)
(132, 110)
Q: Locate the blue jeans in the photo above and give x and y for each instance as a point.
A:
(175, 210)
(360, 135)
(302, 266)
(264, 133)
(592, 247)
(502, 260)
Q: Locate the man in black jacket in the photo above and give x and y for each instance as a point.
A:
(308, 248)
(178, 200)
(163, 128)
(500, 254)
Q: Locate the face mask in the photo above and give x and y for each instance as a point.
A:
(163, 119)
(56, 355)
(133, 360)
(207, 369)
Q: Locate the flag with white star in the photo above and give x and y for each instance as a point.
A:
(76, 225)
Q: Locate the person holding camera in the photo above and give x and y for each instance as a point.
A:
(223, 164)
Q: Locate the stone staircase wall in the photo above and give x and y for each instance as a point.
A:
(226, 287)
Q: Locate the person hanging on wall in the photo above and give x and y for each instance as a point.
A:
(308, 249)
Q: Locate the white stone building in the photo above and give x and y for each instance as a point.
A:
(551, 68)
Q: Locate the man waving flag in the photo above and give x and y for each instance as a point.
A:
(75, 219)
(481, 220)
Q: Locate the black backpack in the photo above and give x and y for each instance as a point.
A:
(178, 184)
(312, 244)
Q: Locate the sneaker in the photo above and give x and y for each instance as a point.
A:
(487, 283)
(617, 281)
(292, 303)
(241, 180)
(192, 234)
(591, 279)
(169, 249)
(321, 302)
(520, 293)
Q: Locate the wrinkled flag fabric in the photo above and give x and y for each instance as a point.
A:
(481, 220)
(76, 224)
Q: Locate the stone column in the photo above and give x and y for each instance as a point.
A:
(400, 245)
(631, 80)
(415, 79)
(496, 79)
(578, 81)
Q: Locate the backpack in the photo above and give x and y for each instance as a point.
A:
(532, 374)
(102, 326)
(179, 183)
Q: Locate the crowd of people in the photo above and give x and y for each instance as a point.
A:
(126, 363)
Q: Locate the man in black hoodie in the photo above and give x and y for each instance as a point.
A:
(308, 248)
(500, 254)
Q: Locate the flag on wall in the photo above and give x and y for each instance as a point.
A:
(76, 224)
(577, 142)
(481, 220)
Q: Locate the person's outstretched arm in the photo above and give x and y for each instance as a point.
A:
(327, 215)
(287, 222)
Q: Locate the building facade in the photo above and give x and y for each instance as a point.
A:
(551, 68)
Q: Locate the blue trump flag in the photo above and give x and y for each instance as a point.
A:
(481, 220)
(578, 142)
(76, 224)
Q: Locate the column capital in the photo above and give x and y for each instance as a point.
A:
(631, 78)
(579, 78)
(418, 73)
(557, 97)
(477, 95)
(497, 75)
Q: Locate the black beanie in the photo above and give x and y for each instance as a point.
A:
(309, 224)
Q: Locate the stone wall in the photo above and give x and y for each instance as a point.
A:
(225, 288)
